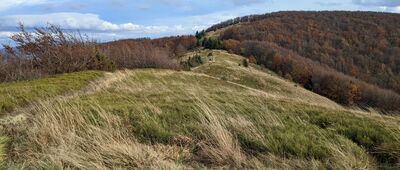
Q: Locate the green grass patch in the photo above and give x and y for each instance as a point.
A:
(18, 94)
(3, 149)
(252, 145)
(379, 140)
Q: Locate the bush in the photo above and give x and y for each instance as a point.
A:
(103, 63)
(245, 63)
(252, 60)
(212, 43)
(138, 54)
(232, 46)
(192, 62)
(49, 51)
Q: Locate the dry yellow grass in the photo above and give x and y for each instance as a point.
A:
(285, 90)
(222, 148)
(65, 134)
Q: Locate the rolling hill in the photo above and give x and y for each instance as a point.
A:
(220, 114)
(317, 49)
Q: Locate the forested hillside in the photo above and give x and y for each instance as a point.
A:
(350, 57)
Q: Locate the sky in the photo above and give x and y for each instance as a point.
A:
(107, 20)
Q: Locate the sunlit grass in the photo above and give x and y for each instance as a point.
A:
(18, 94)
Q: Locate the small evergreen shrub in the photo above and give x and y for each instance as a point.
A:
(192, 62)
(245, 63)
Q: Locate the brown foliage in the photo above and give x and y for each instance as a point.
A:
(50, 50)
(147, 53)
(354, 43)
(252, 60)
(137, 54)
(321, 79)
(177, 45)
(350, 57)
(232, 45)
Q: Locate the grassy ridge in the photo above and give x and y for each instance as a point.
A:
(219, 115)
(21, 93)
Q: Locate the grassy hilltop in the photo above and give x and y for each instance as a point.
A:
(220, 114)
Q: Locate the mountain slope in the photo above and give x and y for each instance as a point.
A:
(220, 114)
(364, 44)
(358, 49)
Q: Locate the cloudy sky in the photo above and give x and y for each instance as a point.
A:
(116, 19)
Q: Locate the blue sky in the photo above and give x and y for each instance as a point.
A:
(116, 19)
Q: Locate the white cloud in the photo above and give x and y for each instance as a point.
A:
(201, 22)
(397, 9)
(390, 9)
(6, 33)
(4, 37)
(199, 27)
(247, 2)
(7, 4)
(388, 3)
(379, 5)
(188, 3)
(129, 26)
(66, 20)
(90, 22)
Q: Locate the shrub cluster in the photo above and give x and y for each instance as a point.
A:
(50, 50)
(192, 62)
